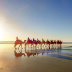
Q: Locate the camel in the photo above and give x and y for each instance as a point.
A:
(59, 43)
(19, 42)
(48, 42)
(39, 42)
(43, 42)
(55, 44)
(52, 43)
(29, 41)
(34, 42)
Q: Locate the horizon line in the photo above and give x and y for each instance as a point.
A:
(12, 42)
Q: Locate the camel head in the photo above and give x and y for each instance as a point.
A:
(24, 41)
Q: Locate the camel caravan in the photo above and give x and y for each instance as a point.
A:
(52, 44)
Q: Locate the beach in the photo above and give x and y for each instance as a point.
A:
(35, 35)
(37, 63)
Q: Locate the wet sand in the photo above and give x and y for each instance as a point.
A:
(35, 64)
(40, 63)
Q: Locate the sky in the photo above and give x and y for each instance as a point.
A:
(48, 19)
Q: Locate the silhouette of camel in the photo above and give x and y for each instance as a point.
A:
(18, 42)
(43, 42)
(59, 43)
(39, 42)
(29, 42)
(52, 43)
(34, 42)
(48, 42)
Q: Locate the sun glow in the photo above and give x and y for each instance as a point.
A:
(1, 30)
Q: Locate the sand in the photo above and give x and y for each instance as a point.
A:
(35, 64)
(40, 63)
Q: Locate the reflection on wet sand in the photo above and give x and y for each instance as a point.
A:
(18, 54)
(52, 44)
(35, 52)
(40, 60)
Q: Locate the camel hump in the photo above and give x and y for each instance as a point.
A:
(18, 42)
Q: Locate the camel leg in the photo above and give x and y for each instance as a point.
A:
(41, 46)
(25, 45)
(28, 45)
(49, 46)
(21, 46)
(52, 46)
(60, 45)
(35, 47)
(31, 45)
(15, 46)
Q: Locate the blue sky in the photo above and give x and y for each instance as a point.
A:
(49, 18)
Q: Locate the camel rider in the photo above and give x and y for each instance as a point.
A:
(17, 38)
(28, 38)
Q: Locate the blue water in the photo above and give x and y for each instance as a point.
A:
(64, 53)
